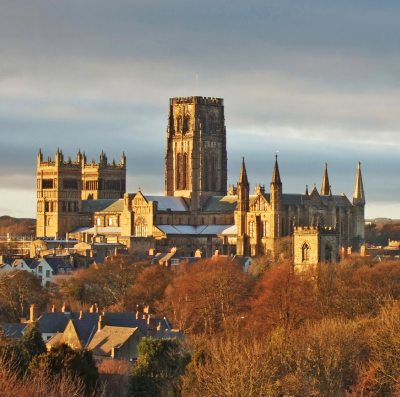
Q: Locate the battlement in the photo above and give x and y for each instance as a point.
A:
(196, 100)
(315, 230)
(80, 161)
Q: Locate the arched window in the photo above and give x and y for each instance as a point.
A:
(179, 171)
(251, 229)
(141, 228)
(49, 222)
(180, 221)
(179, 124)
(202, 221)
(110, 222)
(184, 172)
(265, 229)
(187, 126)
(328, 253)
(98, 221)
(305, 249)
(214, 220)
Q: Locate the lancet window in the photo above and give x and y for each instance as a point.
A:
(141, 228)
(305, 249)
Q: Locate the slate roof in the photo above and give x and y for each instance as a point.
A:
(220, 203)
(91, 206)
(13, 330)
(85, 329)
(100, 230)
(168, 202)
(338, 201)
(194, 230)
(56, 322)
(51, 323)
(108, 337)
(118, 206)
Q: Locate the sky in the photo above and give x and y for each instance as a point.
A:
(317, 81)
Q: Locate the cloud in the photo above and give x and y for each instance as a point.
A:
(316, 80)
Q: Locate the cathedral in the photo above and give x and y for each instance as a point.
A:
(85, 200)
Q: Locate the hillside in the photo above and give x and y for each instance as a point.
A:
(379, 234)
(17, 226)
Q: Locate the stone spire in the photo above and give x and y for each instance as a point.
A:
(276, 178)
(243, 190)
(243, 174)
(325, 182)
(358, 196)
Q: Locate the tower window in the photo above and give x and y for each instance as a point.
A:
(305, 249)
(110, 222)
(98, 221)
(47, 184)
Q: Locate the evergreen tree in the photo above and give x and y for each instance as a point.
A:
(75, 362)
(31, 343)
(158, 367)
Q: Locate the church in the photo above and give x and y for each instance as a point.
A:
(88, 201)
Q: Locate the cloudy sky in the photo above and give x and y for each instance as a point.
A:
(316, 80)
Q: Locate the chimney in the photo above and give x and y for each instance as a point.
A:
(152, 251)
(349, 251)
(94, 309)
(103, 321)
(197, 254)
(216, 253)
(53, 309)
(146, 309)
(80, 315)
(363, 251)
(173, 250)
(144, 317)
(66, 308)
(137, 315)
(34, 312)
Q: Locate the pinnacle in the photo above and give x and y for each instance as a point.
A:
(358, 196)
(325, 182)
(276, 178)
(243, 174)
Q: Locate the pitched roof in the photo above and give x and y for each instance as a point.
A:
(91, 206)
(85, 330)
(100, 230)
(13, 330)
(56, 322)
(104, 340)
(166, 203)
(220, 203)
(117, 206)
(194, 230)
(50, 323)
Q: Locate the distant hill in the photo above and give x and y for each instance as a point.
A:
(17, 226)
(379, 234)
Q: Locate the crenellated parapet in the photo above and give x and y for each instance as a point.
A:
(197, 100)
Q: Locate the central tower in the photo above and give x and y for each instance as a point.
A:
(195, 158)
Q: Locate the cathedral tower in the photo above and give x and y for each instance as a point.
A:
(62, 185)
(195, 158)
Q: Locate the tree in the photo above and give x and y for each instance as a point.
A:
(149, 287)
(65, 360)
(157, 369)
(282, 298)
(208, 294)
(19, 290)
(31, 343)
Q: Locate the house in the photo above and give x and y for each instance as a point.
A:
(116, 342)
(167, 260)
(50, 267)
